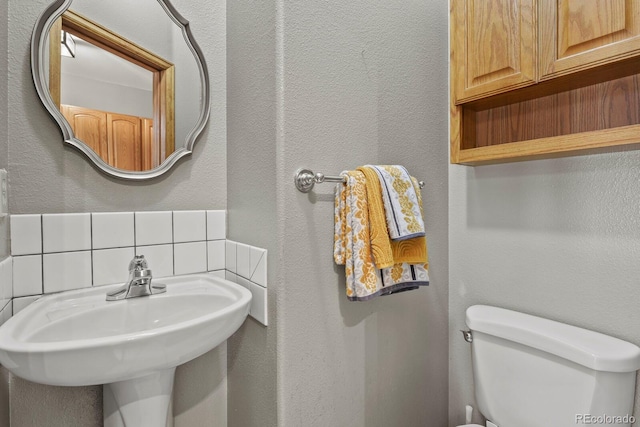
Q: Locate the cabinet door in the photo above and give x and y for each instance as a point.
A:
(89, 126)
(125, 141)
(494, 46)
(575, 35)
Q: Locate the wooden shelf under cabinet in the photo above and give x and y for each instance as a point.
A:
(542, 78)
(593, 109)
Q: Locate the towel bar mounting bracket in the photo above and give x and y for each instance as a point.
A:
(305, 179)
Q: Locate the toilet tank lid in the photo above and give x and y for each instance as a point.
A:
(588, 348)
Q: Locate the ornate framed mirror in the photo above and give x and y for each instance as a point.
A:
(125, 81)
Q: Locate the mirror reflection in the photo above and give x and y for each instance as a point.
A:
(116, 95)
(127, 78)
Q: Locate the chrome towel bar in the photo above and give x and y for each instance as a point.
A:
(305, 179)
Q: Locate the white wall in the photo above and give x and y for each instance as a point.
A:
(144, 22)
(556, 238)
(105, 96)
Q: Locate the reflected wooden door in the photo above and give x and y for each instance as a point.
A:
(89, 126)
(125, 141)
(149, 158)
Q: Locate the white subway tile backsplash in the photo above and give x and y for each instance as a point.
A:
(243, 282)
(27, 275)
(218, 273)
(81, 250)
(232, 277)
(190, 257)
(112, 230)
(247, 266)
(189, 226)
(66, 270)
(111, 265)
(26, 234)
(230, 256)
(66, 232)
(243, 253)
(6, 312)
(259, 310)
(215, 255)
(6, 281)
(159, 259)
(154, 228)
(258, 260)
(22, 303)
(216, 225)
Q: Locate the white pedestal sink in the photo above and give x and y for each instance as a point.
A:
(132, 346)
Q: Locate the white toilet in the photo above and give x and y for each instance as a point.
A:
(534, 372)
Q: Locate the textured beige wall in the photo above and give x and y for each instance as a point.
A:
(4, 223)
(4, 125)
(351, 83)
(252, 199)
(39, 405)
(363, 81)
(5, 415)
(554, 238)
(200, 391)
(46, 177)
(4, 82)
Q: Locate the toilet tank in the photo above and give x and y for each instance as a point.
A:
(534, 372)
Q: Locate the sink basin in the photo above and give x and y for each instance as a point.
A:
(78, 338)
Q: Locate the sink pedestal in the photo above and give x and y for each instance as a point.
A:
(140, 402)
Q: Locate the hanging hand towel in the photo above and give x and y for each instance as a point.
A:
(387, 252)
(404, 218)
(352, 247)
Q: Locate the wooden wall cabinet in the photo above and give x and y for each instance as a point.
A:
(539, 78)
(498, 40)
(575, 35)
(122, 141)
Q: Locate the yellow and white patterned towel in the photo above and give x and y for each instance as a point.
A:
(352, 247)
(387, 252)
(404, 218)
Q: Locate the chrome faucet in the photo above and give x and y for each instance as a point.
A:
(139, 283)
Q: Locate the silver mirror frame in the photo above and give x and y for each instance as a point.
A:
(39, 73)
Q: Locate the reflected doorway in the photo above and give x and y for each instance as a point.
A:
(128, 131)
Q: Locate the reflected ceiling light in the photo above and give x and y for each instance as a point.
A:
(68, 45)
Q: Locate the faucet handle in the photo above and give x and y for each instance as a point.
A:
(138, 263)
